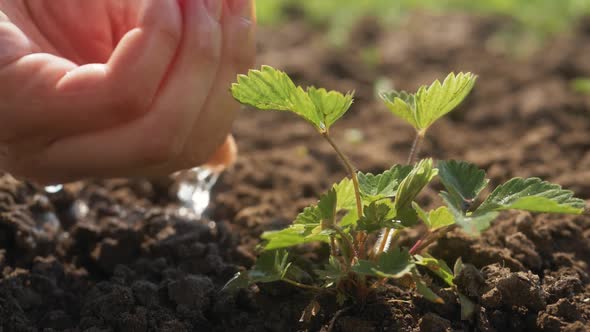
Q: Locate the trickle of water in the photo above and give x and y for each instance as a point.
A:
(46, 222)
(79, 208)
(194, 190)
(54, 188)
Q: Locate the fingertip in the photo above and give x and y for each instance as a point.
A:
(225, 155)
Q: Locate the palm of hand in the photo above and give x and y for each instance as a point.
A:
(115, 87)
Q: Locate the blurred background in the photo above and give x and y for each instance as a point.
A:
(537, 17)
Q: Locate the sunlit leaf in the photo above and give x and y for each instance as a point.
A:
(435, 219)
(437, 266)
(402, 104)
(410, 187)
(384, 184)
(305, 229)
(293, 235)
(349, 219)
(271, 89)
(439, 99)
(331, 105)
(345, 193)
(430, 103)
(532, 194)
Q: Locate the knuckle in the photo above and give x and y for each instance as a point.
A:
(135, 102)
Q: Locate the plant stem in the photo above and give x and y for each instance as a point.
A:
(333, 246)
(335, 318)
(429, 238)
(384, 239)
(347, 241)
(411, 160)
(417, 247)
(351, 172)
(416, 147)
(300, 285)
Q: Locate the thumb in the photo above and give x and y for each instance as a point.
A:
(225, 156)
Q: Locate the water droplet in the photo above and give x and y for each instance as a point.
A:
(80, 209)
(194, 190)
(54, 189)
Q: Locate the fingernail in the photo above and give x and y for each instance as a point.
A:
(214, 7)
(243, 8)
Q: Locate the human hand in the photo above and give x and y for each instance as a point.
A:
(110, 88)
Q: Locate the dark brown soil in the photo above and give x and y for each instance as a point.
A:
(134, 263)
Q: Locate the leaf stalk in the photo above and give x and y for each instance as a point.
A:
(416, 145)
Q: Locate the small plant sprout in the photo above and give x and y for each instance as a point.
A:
(360, 217)
(581, 85)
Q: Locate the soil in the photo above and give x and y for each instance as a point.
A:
(136, 262)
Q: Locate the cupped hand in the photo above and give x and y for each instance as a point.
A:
(109, 88)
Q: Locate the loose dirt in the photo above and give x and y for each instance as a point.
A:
(135, 263)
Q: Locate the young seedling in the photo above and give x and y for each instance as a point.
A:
(581, 85)
(360, 217)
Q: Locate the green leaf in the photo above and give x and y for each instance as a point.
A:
(293, 235)
(327, 206)
(349, 219)
(430, 103)
(314, 222)
(464, 181)
(271, 89)
(345, 193)
(332, 273)
(428, 293)
(581, 85)
(331, 105)
(467, 307)
(410, 187)
(310, 216)
(437, 266)
(439, 99)
(238, 281)
(435, 219)
(306, 228)
(402, 104)
(472, 223)
(378, 215)
(384, 184)
(532, 194)
(392, 264)
(270, 266)
(458, 266)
